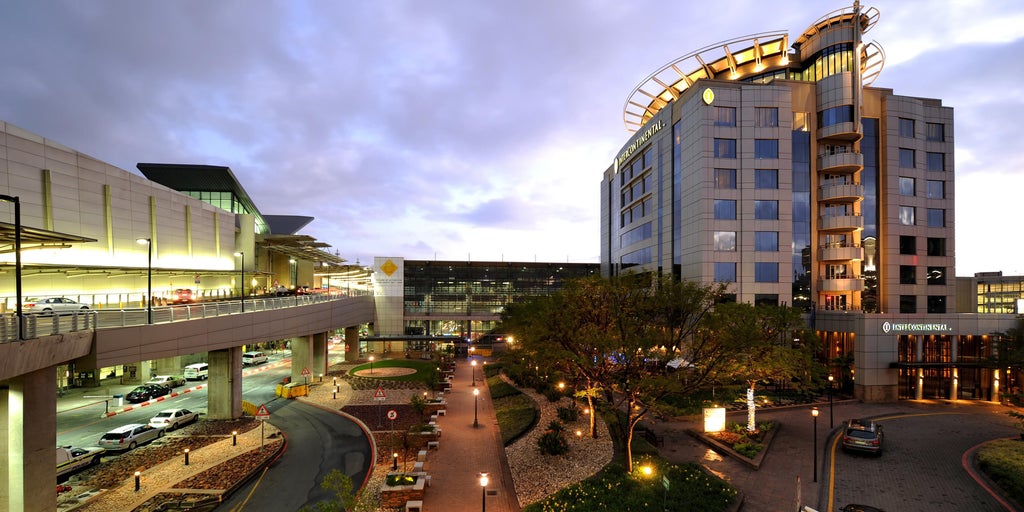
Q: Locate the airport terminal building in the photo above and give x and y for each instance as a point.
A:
(770, 163)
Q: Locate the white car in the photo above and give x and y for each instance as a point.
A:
(51, 305)
(253, 358)
(173, 418)
(129, 436)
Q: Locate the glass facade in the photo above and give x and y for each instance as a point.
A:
(801, 258)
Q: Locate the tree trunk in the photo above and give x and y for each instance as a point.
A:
(751, 408)
(593, 416)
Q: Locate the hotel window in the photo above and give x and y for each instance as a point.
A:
(766, 148)
(725, 116)
(835, 115)
(766, 178)
(936, 218)
(766, 299)
(936, 275)
(936, 303)
(725, 209)
(725, 178)
(766, 117)
(906, 127)
(766, 272)
(766, 210)
(907, 215)
(907, 158)
(908, 244)
(936, 189)
(935, 161)
(908, 274)
(725, 148)
(627, 196)
(906, 186)
(936, 246)
(766, 241)
(725, 272)
(908, 304)
(935, 132)
(725, 241)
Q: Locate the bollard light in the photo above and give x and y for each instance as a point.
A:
(234, 438)
(335, 397)
(371, 365)
(394, 457)
(137, 475)
(186, 456)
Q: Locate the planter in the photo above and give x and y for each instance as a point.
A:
(395, 496)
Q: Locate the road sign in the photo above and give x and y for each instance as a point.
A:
(664, 482)
(392, 414)
(305, 372)
(262, 413)
(380, 394)
(197, 278)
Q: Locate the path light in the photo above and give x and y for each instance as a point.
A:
(814, 412)
(234, 438)
(476, 394)
(831, 417)
(483, 489)
(473, 364)
(394, 466)
(138, 474)
(371, 365)
(186, 456)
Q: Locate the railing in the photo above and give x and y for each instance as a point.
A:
(37, 325)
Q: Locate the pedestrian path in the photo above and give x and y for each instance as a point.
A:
(471, 444)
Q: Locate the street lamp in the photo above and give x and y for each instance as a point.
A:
(371, 365)
(814, 412)
(476, 396)
(483, 493)
(241, 285)
(149, 278)
(831, 417)
(473, 364)
(17, 260)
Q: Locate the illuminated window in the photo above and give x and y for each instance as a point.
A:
(725, 148)
(725, 178)
(725, 241)
(906, 186)
(907, 215)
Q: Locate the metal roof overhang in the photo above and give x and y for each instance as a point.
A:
(302, 247)
(35, 238)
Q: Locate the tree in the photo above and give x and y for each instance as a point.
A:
(766, 343)
(341, 484)
(617, 335)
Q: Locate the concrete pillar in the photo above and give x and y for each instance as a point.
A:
(954, 384)
(27, 474)
(351, 343)
(995, 386)
(168, 366)
(919, 391)
(319, 367)
(302, 357)
(224, 389)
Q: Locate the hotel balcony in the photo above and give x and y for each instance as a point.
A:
(840, 285)
(840, 131)
(841, 253)
(841, 163)
(842, 193)
(840, 222)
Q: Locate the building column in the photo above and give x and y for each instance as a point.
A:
(27, 474)
(919, 392)
(302, 357)
(351, 343)
(995, 386)
(319, 367)
(224, 389)
(954, 385)
(168, 366)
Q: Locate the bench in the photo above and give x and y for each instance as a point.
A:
(434, 444)
(421, 456)
(442, 412)
(433, 418)
(418, 466)
(414, 506)
(654, 439)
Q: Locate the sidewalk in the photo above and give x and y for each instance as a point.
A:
(466, 451)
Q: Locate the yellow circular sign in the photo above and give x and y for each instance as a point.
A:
(708, 96)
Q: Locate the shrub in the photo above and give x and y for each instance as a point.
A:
(1003, 462)
(400, 479)
(570, 413)
(552, 394)
(746, 449)
(553, 442)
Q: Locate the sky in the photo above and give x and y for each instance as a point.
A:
(463, 129)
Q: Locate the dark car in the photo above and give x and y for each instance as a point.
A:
(146, 392)
(863, 435)
(853, 507)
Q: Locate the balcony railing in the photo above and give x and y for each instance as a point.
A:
(37, 325)
(841, 162)
(841, 253)
(840, 222)
(841, 285)
(846, 131)
(844, 192)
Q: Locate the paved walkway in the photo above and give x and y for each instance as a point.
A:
(467, 450)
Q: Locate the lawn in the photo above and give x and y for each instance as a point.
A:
(1003, 462)
(423, 369)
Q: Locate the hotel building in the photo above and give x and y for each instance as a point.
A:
(771, 164)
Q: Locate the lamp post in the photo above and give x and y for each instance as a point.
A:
(241, 284)
(149, 277)
(473, 364)
(814, 412)
(483, 492)
(17, 260)
(371, 365)
(831, 417)
(476, 396)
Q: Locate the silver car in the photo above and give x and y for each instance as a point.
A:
(129, 436)
(50, 305)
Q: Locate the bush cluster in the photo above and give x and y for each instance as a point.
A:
(569, 413)
(553, 441)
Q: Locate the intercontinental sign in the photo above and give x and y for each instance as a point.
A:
(640, 141)
(910, 327)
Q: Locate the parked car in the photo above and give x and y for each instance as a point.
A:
(146, 392)
(51, 305)
(863, 435)
(129, 436)
(173, 418)
(252, 358)
(197, 371)
(181, 296)
(168, 381)
(70, 459)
